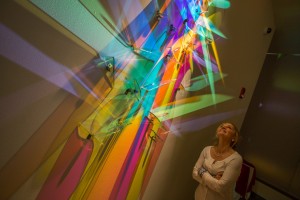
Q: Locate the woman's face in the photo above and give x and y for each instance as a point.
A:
(226, 130)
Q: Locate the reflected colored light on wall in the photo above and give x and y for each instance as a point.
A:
(201, 82)
(14, 48)
(188, 105)
(67, 171)
(188, 126)
(123, 136)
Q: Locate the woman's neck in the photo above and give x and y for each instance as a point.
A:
(222, 147)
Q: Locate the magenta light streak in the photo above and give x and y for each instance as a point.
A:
(123, 182)
(201, 61)
(68, 169)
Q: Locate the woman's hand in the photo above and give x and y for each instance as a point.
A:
(219, 175)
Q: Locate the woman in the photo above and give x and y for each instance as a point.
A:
(218, 166)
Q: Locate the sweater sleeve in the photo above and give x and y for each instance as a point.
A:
(198, 165)
(229, 177)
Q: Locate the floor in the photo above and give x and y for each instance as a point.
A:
(254, 196)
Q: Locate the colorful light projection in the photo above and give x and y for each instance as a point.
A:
(112, 153)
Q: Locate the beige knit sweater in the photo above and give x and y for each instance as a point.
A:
(210, 188)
